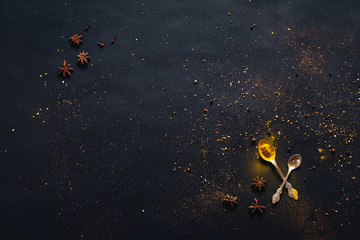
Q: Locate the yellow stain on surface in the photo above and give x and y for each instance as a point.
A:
(322, 158)
(296, 195)
(267, 123)
(255, 167)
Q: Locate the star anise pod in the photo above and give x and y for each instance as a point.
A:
(76, 39)
(230, 200)
(258, 183)
(255, 206)
(65, 69)
(83, 58)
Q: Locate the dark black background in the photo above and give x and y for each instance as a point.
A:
(123, 148)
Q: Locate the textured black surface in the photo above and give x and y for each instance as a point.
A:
(123, 149)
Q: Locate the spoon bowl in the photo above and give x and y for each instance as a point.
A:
(267, 151)
(294, 161)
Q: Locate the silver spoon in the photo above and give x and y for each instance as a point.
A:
(293, 162)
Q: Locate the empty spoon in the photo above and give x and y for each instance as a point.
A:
(293, 162)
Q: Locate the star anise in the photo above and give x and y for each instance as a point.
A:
(83, 58)
(230, 200)
(255, 206)
(65, 69)
(76, 39)
(258, 183)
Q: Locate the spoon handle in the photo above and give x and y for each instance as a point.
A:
(276, 196)
(279, 171)
(292, 191)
